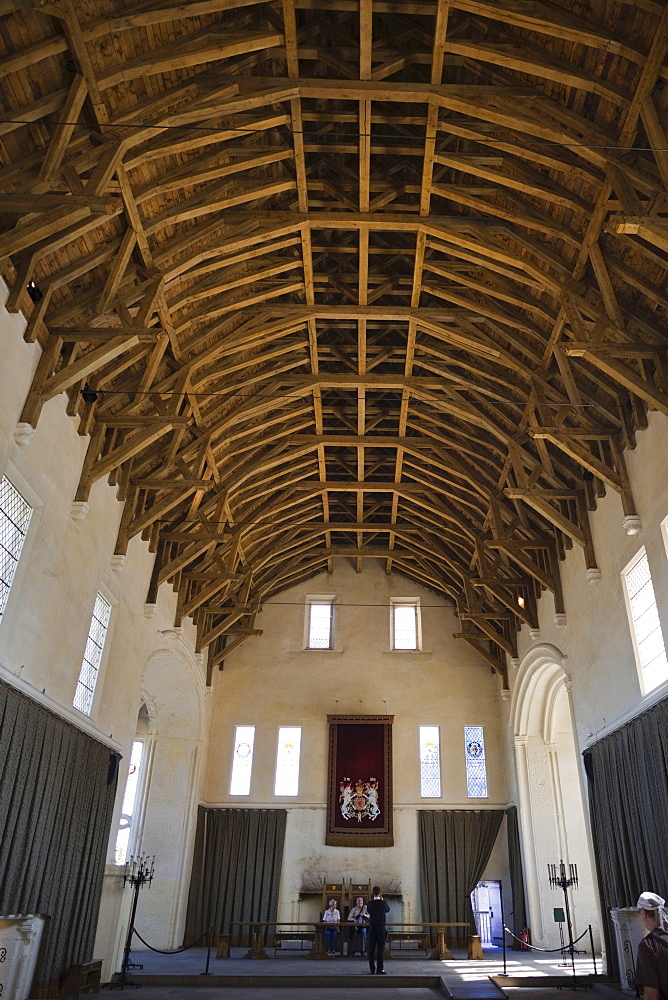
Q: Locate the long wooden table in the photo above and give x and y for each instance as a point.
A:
(260, 936)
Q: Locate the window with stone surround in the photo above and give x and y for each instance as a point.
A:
(287, 760)
(90, 668)
(430, 762)
(476, 768)
(319, 622)
(15, 513)
(648, 644)
(126, 823)
(405, 623)
(242, 761)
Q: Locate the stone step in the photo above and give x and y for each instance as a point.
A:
(294, 982)
(478, 989)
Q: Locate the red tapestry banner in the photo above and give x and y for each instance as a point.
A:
(359, 805)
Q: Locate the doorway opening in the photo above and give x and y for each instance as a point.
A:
(486, 903)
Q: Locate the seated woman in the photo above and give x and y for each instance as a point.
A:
(331, 916)
(360, 917)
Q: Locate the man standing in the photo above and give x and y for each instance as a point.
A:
(375, 941)
(652, 963)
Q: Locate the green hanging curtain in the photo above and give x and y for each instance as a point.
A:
(455, 846)
(517, 918)
(55, 816)
(236, 868)
(628, 802)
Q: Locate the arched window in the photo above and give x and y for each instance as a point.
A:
(126, 838)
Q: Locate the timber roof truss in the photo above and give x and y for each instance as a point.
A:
(362, 279)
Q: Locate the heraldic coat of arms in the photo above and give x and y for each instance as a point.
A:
(359, 800)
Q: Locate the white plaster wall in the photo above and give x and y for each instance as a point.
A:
(595, 651)
(44, 628)
(596, 639)
(273, 681)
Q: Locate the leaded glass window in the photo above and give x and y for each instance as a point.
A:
(476, 769)
(649, 644)
(97, 634)
(129, 803)
(320, 625)
(430, 762)
(405, 625)
(242, 762)
(287, 760)
(15, 514)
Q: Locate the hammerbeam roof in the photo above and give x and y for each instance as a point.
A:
(361, 279)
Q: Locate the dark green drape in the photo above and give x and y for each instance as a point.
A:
(518, 914)
(55, 814)
(628, 802)
(236, 868)
(455, 846)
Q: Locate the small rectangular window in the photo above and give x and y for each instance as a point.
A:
(97, 634)
(430, 762)
(15, 514)
(287, 761)
(405, 625)
(242, 763)
(320, 625)
(646, 631)
(476, 769)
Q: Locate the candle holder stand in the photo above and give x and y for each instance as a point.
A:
(138, 873)
(566, 877)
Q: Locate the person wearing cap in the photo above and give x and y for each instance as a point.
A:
(331, 916)
(652, 960)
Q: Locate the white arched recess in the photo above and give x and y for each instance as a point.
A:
(173, 691)
(553, 818)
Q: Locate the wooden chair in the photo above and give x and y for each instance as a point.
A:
(82, 978)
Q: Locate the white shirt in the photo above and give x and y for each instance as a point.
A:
(331, 916)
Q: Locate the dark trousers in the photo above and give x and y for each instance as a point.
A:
(358, 939)
(375, 944)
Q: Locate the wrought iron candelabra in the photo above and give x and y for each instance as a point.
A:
(138, 873)
(565, 877)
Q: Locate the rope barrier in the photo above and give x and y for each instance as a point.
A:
(546, 950)
(177, 951)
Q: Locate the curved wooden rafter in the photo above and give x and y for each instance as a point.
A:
(388, 283)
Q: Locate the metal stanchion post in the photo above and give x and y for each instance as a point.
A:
(503, 928)
(208, 952)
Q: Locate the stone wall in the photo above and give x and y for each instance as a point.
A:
(43, 635)
(274, 681)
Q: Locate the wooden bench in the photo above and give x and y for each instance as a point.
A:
(303, 937)
(399, 938)
(83, 978)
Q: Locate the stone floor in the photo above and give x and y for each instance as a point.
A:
(404, 963)
(292, 975)
(326, 993)
(269, 993)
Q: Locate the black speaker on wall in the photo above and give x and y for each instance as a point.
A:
(112, 771)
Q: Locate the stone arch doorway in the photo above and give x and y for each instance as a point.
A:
(551, 793)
